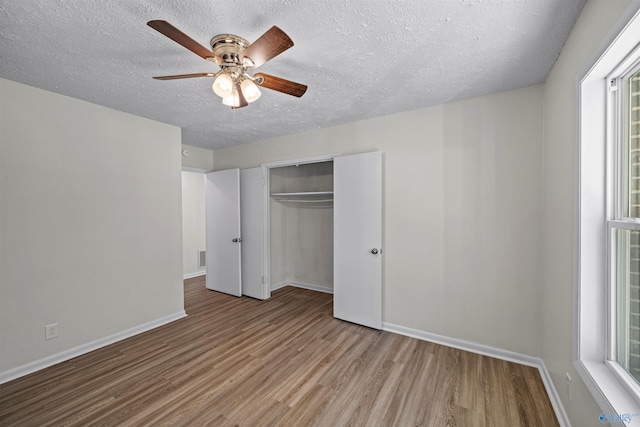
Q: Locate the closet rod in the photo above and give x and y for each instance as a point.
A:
(304, 201)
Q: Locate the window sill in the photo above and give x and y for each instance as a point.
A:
(608, 390)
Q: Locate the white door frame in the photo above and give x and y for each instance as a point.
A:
(267, 203)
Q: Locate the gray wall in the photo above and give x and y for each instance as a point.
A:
(90, 223)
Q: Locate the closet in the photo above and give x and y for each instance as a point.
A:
(301, 226)
(314, 223)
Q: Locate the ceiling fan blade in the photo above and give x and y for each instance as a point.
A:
(270, 44)
(182, 39)
(185, 76)
(280, 84)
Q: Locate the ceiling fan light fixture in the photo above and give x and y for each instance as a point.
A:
(223, 85)
(250, 90)
(232, 100)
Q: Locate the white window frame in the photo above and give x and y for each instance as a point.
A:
(619, 219)
(595, 301)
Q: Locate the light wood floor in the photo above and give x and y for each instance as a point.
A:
(285, 361)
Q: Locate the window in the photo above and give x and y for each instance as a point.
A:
(624, 244)
(607, 322)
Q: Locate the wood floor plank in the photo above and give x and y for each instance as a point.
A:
(282, 362)
(407, 404)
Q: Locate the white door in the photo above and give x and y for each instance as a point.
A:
(252, 224)
(222, 211)
(357, 239)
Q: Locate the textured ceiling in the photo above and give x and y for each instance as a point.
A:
(360, 59)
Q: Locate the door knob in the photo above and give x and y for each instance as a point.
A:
(374, 251)
(237, 240)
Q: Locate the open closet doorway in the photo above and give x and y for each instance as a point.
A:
(193, 224)
(315, 223)
(300, 224)
(325, 230)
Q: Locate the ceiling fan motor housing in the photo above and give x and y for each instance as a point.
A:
(228, 47)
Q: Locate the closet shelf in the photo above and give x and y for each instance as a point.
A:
(305, 196)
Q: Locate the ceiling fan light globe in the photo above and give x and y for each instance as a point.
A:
(250, 90)
(223, 85)
(232, 100)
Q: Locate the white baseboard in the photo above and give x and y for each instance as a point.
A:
(554, 397)
(192, 275)
(497, 353)
(277, 286)
(311, 287)
(32, 367)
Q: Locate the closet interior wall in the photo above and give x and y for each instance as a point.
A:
(301, 225)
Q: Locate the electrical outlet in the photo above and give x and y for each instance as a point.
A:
(569, 386)
(51, 331)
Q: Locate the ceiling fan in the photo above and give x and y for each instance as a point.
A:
(235, 56)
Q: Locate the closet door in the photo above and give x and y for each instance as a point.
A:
(253, 228)
(222, 216)
(357, 241)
